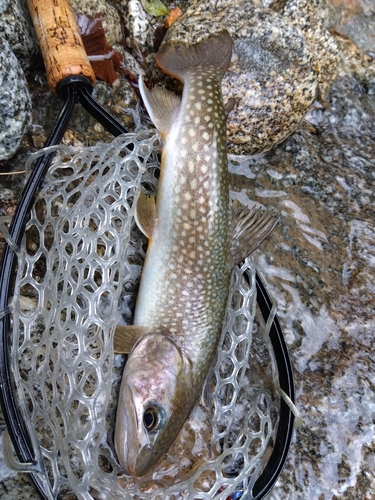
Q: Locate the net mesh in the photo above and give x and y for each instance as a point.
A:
(77, 276)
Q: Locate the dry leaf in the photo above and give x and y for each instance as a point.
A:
(173, 15)
(103, 58)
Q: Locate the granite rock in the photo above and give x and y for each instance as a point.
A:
(272, 77)
(354, 60)
(15, 103)
(319, 266)
(355, 19)
(110, 17)
(16, 29)
(136, 20)
(313, 17)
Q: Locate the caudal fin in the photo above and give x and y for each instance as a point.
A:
(176, 58)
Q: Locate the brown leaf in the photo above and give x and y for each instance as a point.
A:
(103, 58)
(173, 15)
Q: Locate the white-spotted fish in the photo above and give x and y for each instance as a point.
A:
(185, 280)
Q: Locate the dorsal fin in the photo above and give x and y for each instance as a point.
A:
(162, 106)
(177, 58)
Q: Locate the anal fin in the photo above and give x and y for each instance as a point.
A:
(145, 214)
(126, 336)
(250, 228)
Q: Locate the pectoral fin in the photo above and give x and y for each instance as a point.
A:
(126, 336)
(145, 214)
(162, 106)
(250, 228)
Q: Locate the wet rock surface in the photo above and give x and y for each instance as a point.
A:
(319, 262)
(15, 103)
(272, 78)
(16, 29)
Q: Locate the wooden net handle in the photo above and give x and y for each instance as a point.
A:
(60, 41)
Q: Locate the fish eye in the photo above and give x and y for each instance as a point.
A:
(153, 418)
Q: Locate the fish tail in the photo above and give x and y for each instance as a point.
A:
(178, 58)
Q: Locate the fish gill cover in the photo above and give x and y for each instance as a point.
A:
(77, 276)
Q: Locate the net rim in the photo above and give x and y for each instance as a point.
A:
(22, 442)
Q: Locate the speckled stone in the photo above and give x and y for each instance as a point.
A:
(16, 29)
(354, 60)
(272, 76)
(122, 104)
(355, 19)
(319, 266)
(313, 17)
(110, 17)
(15, 103)
(136, 20)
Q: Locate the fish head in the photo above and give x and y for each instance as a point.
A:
(154, 401)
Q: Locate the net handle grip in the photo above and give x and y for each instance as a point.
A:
(61, 44)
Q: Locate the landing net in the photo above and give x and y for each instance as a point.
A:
(78, 271)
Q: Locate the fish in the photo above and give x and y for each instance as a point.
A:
(195, 237)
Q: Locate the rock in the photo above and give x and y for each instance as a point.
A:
(15, 103)
(356, 20)
(272, 77)
(136, 20)
(16, 29)
(122, 105)
(313, 17)
(354, 60)
(110, 17)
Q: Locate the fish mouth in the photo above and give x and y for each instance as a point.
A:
(126, 431)
(135, 459)
(143, 462)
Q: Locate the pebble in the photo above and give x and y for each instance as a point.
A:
(16, 28)
(15, 103)
(110, 17)
(272, 78)
(313, 17)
